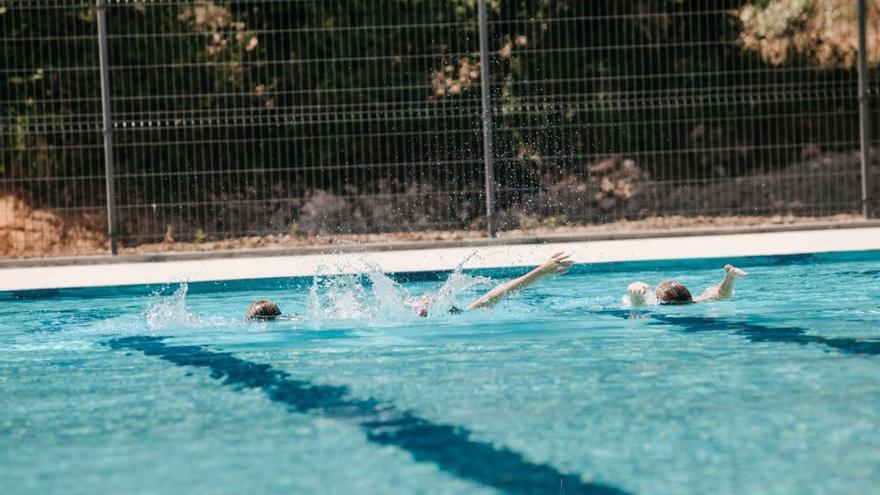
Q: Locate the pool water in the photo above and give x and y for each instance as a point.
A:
(560, 389)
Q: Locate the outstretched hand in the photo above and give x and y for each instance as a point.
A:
(638, 289)
(557, 264)
(637, 293)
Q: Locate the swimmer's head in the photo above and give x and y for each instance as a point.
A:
(672, 292)
(263, 310)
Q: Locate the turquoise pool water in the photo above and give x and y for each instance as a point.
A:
(558, 390)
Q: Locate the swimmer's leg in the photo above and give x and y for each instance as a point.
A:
(724, 290)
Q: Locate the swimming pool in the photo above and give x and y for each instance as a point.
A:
(164, 389)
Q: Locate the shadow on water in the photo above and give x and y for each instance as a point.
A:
(751, 331)
(449, 447)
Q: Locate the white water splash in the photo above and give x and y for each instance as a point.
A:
(358, 290)
(166, 312)
(363, 291)
(390, 298)
(650, 300)
(456, 284)
(337, 296)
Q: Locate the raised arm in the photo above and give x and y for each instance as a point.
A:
(557, 264)
(724, 290)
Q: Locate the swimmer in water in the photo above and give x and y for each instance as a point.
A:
(557, 264)
(673, 292)
(266, 310)
(263, 310)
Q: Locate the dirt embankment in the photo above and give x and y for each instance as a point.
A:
(26, 232)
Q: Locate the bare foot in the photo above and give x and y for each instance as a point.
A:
(736, 272)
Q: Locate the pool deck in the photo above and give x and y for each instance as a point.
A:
(108, 272)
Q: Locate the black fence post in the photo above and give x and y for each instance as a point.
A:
(864, 100)
(107, 124)
(488, 152)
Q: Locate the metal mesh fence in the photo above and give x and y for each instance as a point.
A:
(312, 117)
(50, 129)
(264, 117)
(616, 110)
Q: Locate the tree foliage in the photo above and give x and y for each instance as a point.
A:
(824, 32)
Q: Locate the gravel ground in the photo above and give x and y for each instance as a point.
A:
(669, 224)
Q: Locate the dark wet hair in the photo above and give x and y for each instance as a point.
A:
(672, 292)
(263, 309)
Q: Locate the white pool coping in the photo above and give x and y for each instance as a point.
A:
(419, 260)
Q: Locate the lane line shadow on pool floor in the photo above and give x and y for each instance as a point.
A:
(753, 332)
(449, 447)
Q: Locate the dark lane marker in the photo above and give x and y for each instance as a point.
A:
(449, 447)
(752, 331)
